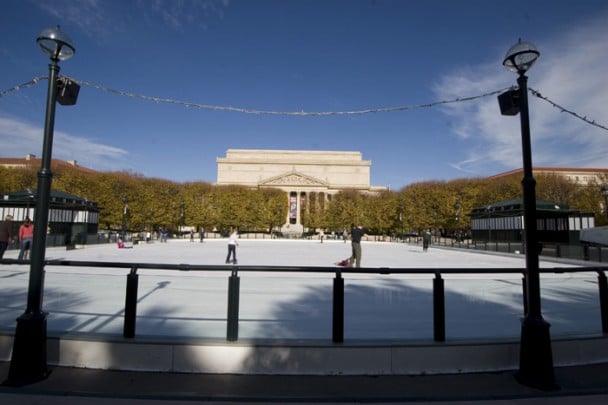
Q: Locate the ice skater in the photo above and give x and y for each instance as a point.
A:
(426, 240)
(355, 237)
(233, 242)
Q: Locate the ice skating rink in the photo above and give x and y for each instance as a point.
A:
(297, 305)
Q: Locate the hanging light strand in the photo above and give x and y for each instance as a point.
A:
(302, 113)
(29, 84)
(562, 109)
(269, 112)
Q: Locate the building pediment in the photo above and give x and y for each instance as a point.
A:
(293, 178)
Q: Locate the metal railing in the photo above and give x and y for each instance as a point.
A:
(559, 250)
(233, 288)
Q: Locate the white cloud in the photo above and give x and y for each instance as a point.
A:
(177, 14)
(89, 15)
(19, 138)
(100, 19)
(570, 72)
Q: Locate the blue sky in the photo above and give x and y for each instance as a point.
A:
(312, 56)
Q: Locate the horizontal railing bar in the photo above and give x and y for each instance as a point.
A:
(310, 269)
(338, 287)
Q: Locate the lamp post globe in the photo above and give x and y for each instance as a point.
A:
(29, 356)
(56, 43)
(520, 57)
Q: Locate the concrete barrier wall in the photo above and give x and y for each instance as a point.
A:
(303, 358)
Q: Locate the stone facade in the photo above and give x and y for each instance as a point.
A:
(298, 173)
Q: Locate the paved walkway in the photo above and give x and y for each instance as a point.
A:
(68, 386)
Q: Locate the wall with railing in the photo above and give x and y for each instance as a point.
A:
(558, 250)
(338, 292)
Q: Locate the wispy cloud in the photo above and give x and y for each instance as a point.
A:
(178, 14)
(571, 72)
(91, 16)
(100, 19)
(19, 138)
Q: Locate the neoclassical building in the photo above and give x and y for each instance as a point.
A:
(298, 173)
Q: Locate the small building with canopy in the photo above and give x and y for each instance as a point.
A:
(72, 219)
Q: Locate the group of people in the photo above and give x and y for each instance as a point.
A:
(25, 237)
(356, 235)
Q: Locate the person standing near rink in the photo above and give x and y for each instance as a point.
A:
(6, 236)
(26, 236)
(355, 236)
(233, 242)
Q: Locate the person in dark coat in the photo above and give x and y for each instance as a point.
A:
(355, 238)
(6, 236)
(426, 240)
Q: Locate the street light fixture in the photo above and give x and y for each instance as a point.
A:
(457, 208)
(182, 217)
(29, 361)
(125, 213)
(401, 220)
(605, 194)
(535, 357)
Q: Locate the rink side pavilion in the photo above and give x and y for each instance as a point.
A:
(504, 222)
(72, 219)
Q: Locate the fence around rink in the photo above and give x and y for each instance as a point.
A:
(233, 288)
(585, 252)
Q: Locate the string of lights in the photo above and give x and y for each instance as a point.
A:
(562, 109)
(100, 87)
(267, 112)
(31, 83)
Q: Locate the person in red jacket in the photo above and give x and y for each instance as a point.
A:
(26, 236)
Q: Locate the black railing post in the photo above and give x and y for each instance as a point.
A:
(232, 332)
(131, 303)
(524, 286)
(338, 309)
(603, 287)
(439, 308)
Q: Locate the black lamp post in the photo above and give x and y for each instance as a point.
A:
(605, 194)
(535, 358)
(151, 220)
(182, 217)
(125, 213)
(29, 362)
(401, 220)
(457, 207)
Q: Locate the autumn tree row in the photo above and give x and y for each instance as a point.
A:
(154, 203)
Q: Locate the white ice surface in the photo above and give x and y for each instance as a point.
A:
(297, 305)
